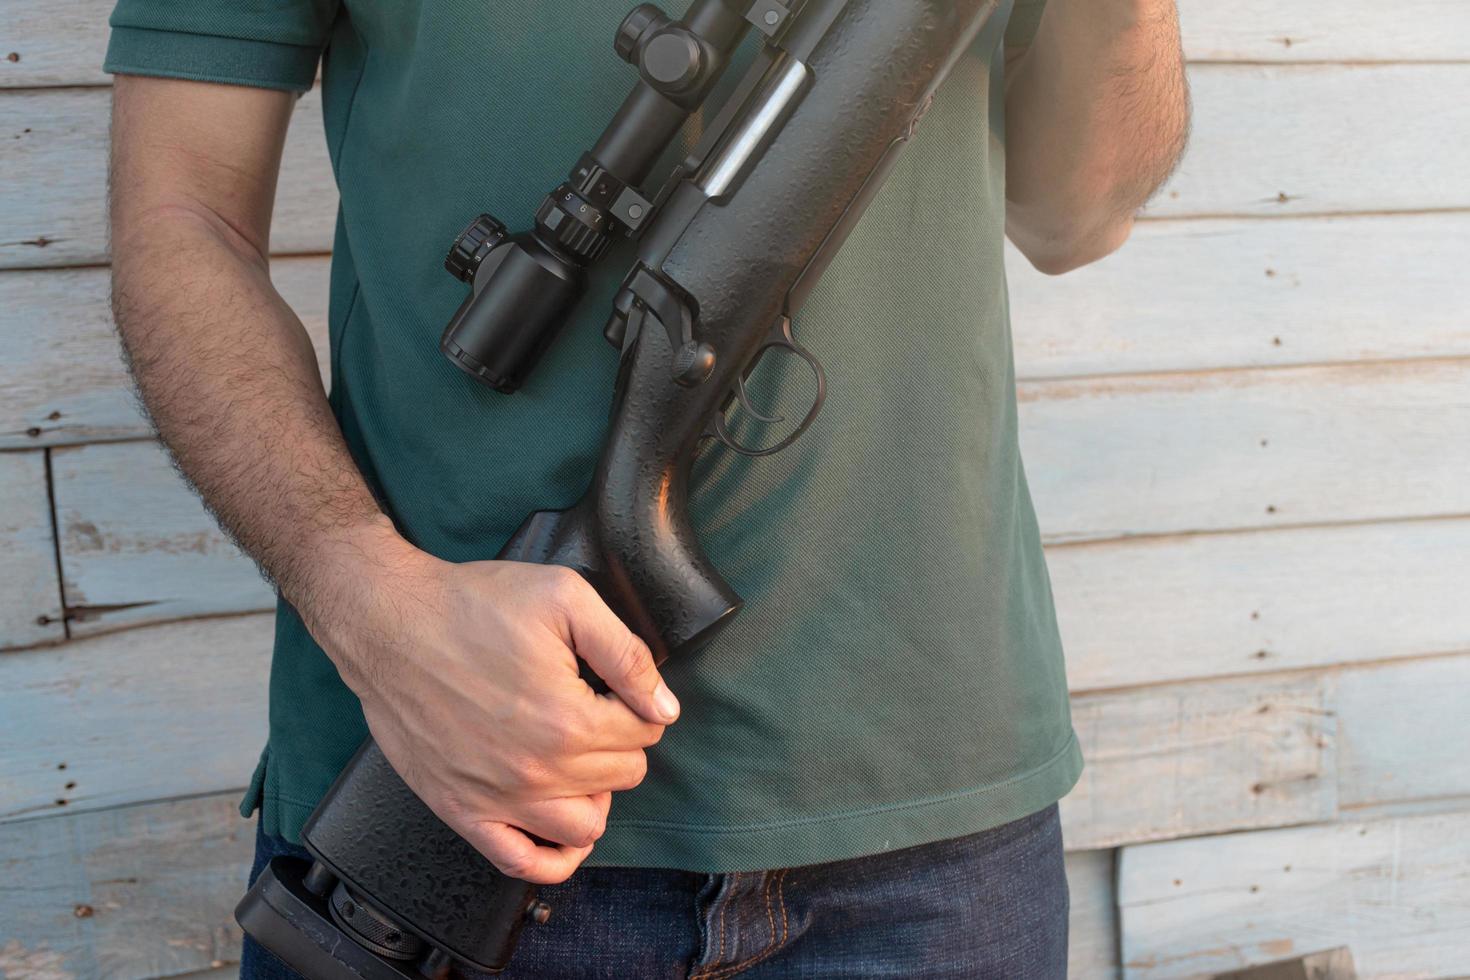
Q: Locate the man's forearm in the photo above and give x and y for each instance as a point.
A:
(1097, 113)
(230, 378)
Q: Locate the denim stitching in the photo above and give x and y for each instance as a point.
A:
(770, 919)
(724, 905)
(735, 968)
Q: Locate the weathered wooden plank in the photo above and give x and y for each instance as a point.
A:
(146, 714)
(53, 152)
(1330, 964)
(1092, 947)
(1322, 139)
(1404, 737)
(1161, 762)
(1108, 458)
(1161, 454)
(1339, 291)
(62, 379)
(1297, 117)
(30, 599)
(1182, 295)
(1207, 293)
(1164, 761)
(53, 42)
(1305, 30)
(1396, 892)
(1189, 759)
(1192, 606)
(130, 892)
(137, 546)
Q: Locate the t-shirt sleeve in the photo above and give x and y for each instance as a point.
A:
(1025, 18)
(264, 43)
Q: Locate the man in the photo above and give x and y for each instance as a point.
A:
(864, 777)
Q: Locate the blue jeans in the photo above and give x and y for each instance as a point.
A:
(989, 906)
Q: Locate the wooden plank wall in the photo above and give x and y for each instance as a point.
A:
(1246, 434)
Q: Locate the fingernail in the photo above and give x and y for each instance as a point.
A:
(665, 702)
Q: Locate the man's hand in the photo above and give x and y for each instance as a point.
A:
(467, 673)
(1097, 113)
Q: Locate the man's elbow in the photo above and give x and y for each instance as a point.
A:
(1060, 246)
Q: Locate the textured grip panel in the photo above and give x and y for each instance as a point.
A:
(379, 837)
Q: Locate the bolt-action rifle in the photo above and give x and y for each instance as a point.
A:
(729, 249)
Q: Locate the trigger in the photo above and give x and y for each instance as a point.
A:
(744, 398)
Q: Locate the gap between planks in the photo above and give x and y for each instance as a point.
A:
(1265, 674)
(201, 618)
(1023, 381)
(1145, 218)
(1141, 217)
(1195, 372)
(60, 814)
(1159, 536)
(56, 550)
(1208, 63)
(1049, 547)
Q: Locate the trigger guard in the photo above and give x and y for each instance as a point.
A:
(781, 338)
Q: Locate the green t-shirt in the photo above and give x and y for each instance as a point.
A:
(896, 676)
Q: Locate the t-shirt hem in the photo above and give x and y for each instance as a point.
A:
(211, 58)
(719, 849)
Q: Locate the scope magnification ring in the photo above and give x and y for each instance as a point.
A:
(575, 225)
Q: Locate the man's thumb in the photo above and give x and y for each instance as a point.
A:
(621, 659)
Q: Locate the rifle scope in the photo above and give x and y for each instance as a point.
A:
(524, 285)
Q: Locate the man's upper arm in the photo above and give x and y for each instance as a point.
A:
(197, 148)
(201, 105)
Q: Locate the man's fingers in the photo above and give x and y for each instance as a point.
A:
(596, 772)
(515, 854)
(573, 821)
(619, 657)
